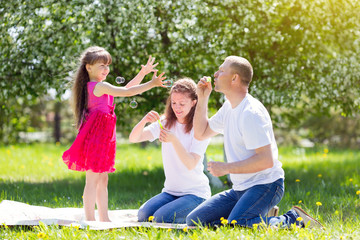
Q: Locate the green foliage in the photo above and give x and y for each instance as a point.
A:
(305, 54)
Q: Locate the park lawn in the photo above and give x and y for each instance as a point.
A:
(325, 182)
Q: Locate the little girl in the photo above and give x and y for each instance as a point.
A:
(94, 148)
(186, 186)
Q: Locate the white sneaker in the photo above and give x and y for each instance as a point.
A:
(274, 212)
(306, 218)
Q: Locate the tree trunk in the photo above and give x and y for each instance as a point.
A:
(57, 121)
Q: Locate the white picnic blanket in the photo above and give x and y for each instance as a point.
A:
(16, 213)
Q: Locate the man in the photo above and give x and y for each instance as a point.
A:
(251, 150)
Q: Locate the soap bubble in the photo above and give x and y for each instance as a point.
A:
(133, 104)
(168, 83)
(119, 80)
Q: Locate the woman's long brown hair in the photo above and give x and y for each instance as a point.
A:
(90, 56)
(185, 86)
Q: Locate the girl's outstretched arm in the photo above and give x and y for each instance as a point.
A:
(102, 88)
(138, 134)
(145, 69)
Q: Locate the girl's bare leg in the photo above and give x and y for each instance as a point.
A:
(102, 197)
(89, 196)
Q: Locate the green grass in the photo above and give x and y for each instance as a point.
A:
(35, 174)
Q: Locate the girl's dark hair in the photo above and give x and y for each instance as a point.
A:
(90, 56)
(185, 86)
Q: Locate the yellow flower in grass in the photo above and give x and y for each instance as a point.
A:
(350, 179)
(299, 219)
(297, 180)
(358, 192)
(300, 201)
(41, 235)
(319, 203)
(222, 218)
(151, 218)
(224, 222)
(319, 175)
(234, 222)
(336, 212)
(326, 150)
(185, 229)
(255, 226)
(169, 230)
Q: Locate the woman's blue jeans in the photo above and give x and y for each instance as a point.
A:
(247, 207)
(168, 208)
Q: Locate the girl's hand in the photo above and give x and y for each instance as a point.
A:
(158, 80)
(166, 136)
(151, 117)
(150, 66)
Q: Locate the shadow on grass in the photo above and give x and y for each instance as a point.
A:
(127, 189)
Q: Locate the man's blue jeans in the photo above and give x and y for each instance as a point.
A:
(168, 208)
(247, 207)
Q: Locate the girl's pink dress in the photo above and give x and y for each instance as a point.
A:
(95, 145)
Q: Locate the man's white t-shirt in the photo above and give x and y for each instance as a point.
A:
(245, 128)
(179, 180)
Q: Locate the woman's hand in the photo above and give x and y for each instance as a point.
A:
(151, 117)
(166, 136)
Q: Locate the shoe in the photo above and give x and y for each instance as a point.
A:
(306, 218)
(274, 212)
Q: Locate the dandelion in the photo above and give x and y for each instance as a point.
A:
(326, 150)
(149, 157)
(319, 204)
(300, 201)
(336, 212)
(41, 235)
(324, 155)
(151, 218)
(224, 222)
(319, 175)
(169, 230)
(358, 192)
(233, 222)
(350, 179)
(185, 229)
(297, 180)
(255, 226)
(222, 218)
(299, 219)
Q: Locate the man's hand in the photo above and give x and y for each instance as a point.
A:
(217, 169)
(204, 88)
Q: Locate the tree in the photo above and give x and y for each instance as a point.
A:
(305, 54)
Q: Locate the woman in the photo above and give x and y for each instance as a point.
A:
(186, 186)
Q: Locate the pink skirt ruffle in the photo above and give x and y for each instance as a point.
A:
(95, 145)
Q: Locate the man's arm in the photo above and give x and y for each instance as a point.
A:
(202, 129)
(261, 160)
